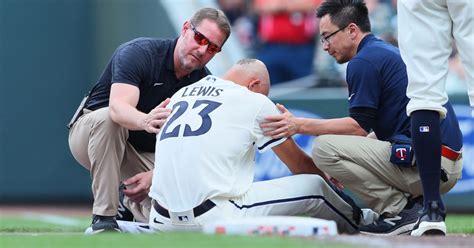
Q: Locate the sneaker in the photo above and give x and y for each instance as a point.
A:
(123, 213)
(431, 221)
(102, 224)
(400, 224)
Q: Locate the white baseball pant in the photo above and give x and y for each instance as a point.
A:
(427, 30)
(298, 195)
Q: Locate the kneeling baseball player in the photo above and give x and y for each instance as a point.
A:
(205, 157)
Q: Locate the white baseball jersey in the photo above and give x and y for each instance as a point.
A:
(207, 146)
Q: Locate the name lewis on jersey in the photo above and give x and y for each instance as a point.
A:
(202, 91)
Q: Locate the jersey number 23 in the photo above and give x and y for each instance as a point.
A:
(181, 107)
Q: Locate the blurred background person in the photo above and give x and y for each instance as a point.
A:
(286, 31)
(243, 22)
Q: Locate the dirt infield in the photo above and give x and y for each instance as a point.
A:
(451, 240)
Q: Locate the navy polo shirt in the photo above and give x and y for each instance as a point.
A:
(377, 79)
(148, 64)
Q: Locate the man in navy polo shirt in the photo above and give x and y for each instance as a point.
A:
(114, 134)
(357, 150)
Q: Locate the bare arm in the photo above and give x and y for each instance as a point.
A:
(285, 125)
(297, 161)
(345, 125)
(123, 111)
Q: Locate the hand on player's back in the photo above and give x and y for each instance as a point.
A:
(279, 126)
(157, 117)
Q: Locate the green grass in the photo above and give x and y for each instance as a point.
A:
(32, 231)
(25, 224)
(177, 240)
(461, 223)
(19, 232)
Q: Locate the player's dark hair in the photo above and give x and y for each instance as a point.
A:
(246, 61)
(344, 12)
(214, 15)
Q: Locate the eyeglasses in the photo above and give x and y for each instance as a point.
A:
(202, 40)
(325, 39)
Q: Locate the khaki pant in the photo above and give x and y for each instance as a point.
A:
(101, 146)
(363, 166)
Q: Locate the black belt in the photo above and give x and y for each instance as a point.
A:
(199, 210)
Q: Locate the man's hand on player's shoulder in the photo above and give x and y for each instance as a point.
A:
(279, 126)
(154, 120)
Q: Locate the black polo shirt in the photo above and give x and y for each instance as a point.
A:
(148, 64)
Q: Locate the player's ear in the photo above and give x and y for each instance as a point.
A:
(254, 85)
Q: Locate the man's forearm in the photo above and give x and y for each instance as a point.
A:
(127, 116)
(315, 127)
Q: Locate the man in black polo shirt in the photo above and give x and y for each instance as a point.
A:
(115, 136)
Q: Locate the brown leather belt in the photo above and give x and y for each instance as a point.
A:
(199, 210)
(450, 153)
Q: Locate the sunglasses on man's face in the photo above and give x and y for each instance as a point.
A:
(202, 40)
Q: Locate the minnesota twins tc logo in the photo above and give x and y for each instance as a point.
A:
(401, 153)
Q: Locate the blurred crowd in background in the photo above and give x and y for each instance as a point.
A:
(284, 34)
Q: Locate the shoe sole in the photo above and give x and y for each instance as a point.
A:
(403, 230)
(90, 231)
(430, 228)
